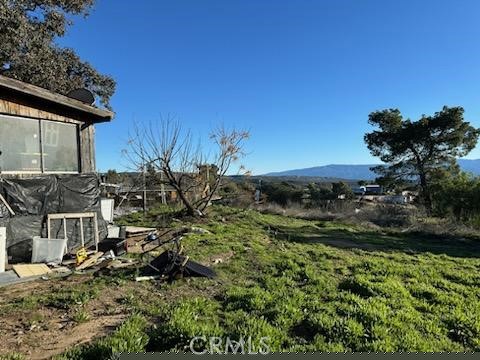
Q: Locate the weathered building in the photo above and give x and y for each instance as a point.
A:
(42, 132)
(47, 167)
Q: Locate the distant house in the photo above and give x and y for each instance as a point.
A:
(42, 132)
(368, 190)
(359, 190)
(373, 190)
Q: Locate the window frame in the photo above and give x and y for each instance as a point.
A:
(42, 166)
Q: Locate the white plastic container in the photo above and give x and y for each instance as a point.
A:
(48, 250)
(107, 208)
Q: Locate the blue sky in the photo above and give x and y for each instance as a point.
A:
(301, 75)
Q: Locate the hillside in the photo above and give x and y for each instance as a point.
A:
(306, 285)
(356, 172)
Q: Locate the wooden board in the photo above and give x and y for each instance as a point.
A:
(92, 260)
(131, 240)
(117, 264)
(71, 215)
(138, 230)
(2, 199)
(26, 270)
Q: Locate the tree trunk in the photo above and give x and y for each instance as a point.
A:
(190, 210)
(426, 196)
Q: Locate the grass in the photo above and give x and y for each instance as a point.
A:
(308, 286)
(81, 316)
(129, 337)
(12, 356)
(66, 298)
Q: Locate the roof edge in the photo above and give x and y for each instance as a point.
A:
(102, 115)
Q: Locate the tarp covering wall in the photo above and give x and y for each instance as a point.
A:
(33, 198)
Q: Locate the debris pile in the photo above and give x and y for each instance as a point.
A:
(160, 257)
(172, 264)
(53, 207)
(56, 225)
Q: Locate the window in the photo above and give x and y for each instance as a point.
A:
(60, 147)
(19, 144)
(22, 151)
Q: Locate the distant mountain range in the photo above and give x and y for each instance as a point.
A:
(359, 172)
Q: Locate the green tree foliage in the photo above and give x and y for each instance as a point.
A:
(153, 178)
(29, 52)
(457, 196)
(320, 193)
(342, 188)
(112, 176)
(282, 193)
(420, 149)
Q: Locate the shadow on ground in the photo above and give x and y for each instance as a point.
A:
(408, 242)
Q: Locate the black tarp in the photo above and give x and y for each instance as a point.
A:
(33, 198)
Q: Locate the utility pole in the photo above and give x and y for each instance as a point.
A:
(144, 189)
(258, 192)
(162, 188)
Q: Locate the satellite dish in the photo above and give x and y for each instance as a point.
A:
(82, 95)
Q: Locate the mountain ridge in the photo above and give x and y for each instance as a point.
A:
(359, 172)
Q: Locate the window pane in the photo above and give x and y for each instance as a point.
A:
(19, 144)
(60, 146)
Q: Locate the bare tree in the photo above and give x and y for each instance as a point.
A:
(173, 152)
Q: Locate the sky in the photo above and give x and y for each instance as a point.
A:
(300, 75)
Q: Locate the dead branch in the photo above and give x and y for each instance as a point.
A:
(167, 148)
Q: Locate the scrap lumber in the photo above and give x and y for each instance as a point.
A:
(26, 270)
(138, 230)
(136, 241)
(104, 264)
(80, 216)
(117, 264)
(92, 260)
(2, 199)
(136, 238)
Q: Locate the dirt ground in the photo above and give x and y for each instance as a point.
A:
(42, 332)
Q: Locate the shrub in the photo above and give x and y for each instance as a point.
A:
(458, 196)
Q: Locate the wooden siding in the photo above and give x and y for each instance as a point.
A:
(87, 148)
(8, 107)
(22, 90)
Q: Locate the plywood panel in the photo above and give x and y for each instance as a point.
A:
(25, 270)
